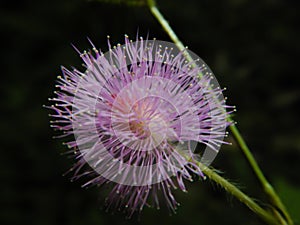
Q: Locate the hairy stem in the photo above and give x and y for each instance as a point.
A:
(268, 189)
(242, 197)
(274, 198)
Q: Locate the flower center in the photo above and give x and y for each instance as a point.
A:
(140, 129)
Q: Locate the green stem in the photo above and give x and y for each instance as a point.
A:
(275, 200)
(269, 190)
(233, 190)
(164, 23)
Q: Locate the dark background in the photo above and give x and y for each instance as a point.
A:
(253, 49)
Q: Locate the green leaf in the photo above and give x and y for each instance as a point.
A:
(290, 195)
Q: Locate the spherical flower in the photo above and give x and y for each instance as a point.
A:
(137, 113)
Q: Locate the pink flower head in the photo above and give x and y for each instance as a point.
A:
(137, 114)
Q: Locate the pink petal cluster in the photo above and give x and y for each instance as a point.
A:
(135, 112)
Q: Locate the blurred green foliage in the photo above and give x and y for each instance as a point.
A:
(253, 48)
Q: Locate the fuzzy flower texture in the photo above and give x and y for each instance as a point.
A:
(137, 113)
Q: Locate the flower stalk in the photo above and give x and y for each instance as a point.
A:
(267, 187)
(242, 197)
